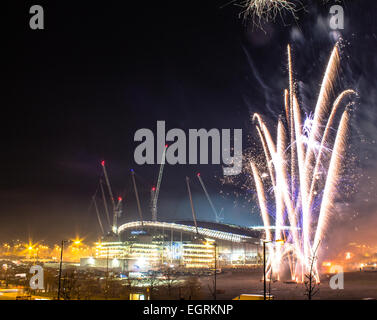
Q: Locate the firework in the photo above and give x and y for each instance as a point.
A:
(267, 9)
(302, 173)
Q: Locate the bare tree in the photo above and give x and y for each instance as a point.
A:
(170, 280)
(114, 288)
(50, 281)
(91, 288)
(69, 286)
(153, 283)
(311, 285)
(193, 288)
(269, 286)
(211, 288)
(127, 288)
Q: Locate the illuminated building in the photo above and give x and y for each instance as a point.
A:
(152, 244)
(110, 250)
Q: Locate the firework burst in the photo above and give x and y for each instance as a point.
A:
(303, 167)
(267, 10)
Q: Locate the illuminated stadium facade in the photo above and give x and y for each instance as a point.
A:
(151, 244)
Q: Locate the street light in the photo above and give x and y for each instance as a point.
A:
(215, 246)
(207, 243)
(77, 241)
(60, 266)
(264, 263)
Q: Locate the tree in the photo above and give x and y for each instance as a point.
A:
(170, 280)
(69, 286)
(153, 283)
(127, 288)
(92, 287)
(212, 288)
(269, 286)
(50, 281)
(114, 288)
(193, 288)
(311, 285)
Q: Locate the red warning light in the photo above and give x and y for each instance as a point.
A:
(166, 146)
(198, 174)
(119, 199)
(103, 163)
(154, 189)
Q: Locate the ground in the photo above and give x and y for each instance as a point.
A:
(357, 285)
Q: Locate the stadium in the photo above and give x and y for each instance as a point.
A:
(150, 245)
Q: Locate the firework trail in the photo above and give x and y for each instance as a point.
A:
(332, 177)
(323, 142)
(266, 89)
(298, 170)
(322, 103)
(262, 200)
(290, 93)
(267, 155)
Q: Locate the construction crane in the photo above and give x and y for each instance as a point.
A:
(153, 192)
(118, 207)
(192, 205)
(105, 202)
(98, 216)
(156, 190)
(221, 216)
(137, 197)
(114, 226)
(218, 216)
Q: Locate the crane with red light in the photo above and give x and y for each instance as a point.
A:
(156, 190)
(192, 205)
(153, 192)
(116, 207)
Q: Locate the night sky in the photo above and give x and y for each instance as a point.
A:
(75, 93)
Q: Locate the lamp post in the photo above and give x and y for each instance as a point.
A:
(264, 270)
(208, 244)
(36, 256)
(215, 246)
(107, 274)
(264, 264)
(60, 266)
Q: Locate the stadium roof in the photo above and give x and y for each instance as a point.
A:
(207, 229)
